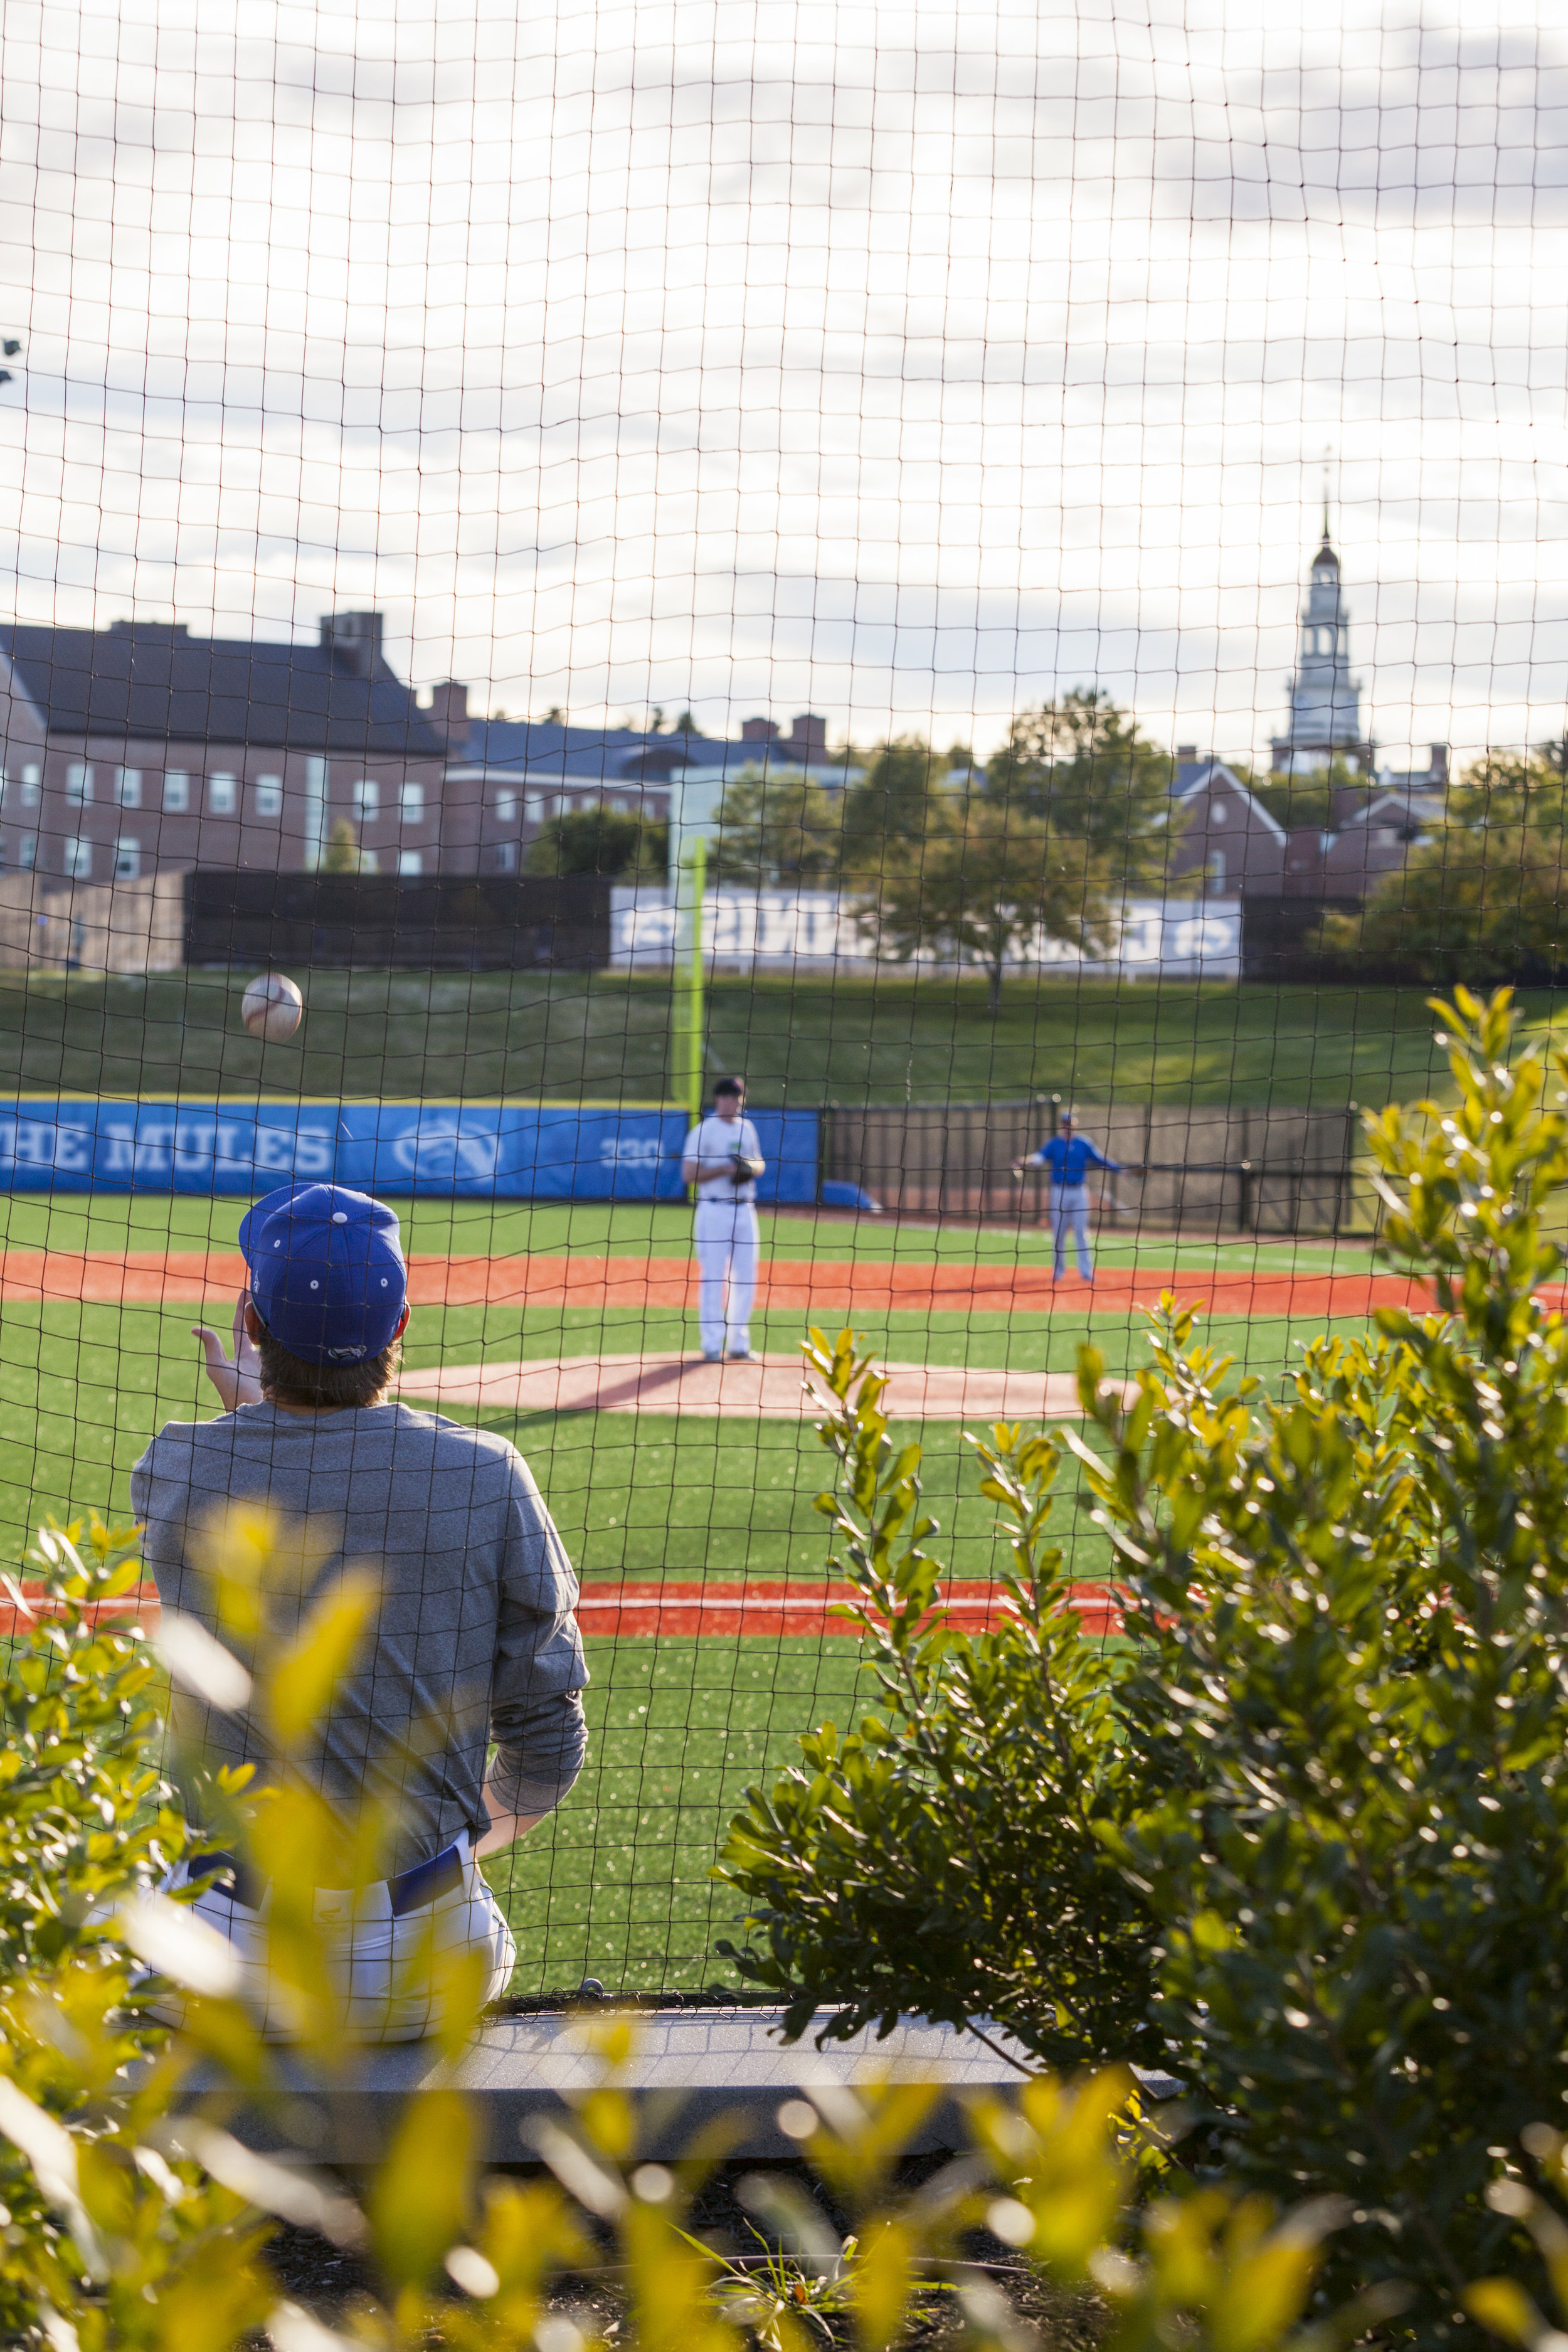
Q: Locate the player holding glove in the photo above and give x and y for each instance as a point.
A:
(722, 1157)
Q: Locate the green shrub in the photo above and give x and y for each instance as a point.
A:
(137, 2225)
(943, 1857)
(1311, 1823)
(1359, 1600)
(1334, 1778)
(106, 2243)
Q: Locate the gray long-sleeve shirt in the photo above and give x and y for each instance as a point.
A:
(474, 1632)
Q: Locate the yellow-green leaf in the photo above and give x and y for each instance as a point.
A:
(422, 2201)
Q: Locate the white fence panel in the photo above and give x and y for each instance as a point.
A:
(817, 931)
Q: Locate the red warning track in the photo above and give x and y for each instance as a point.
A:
(721, 1609)
(209, 1278)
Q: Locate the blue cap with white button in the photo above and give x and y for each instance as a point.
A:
(327, 1273)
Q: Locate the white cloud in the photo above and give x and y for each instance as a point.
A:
(890, 363)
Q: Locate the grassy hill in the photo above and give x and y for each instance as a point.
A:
(604, 1037)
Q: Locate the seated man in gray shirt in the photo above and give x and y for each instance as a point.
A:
(474, 1635)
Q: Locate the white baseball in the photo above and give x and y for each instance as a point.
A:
(271, 1007)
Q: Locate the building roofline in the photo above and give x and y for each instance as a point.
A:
(1201, 783)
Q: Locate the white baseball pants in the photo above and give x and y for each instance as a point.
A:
(727, 1246)
(1069, 1211)
(380, 1963)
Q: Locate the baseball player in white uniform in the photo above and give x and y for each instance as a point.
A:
(723, 1158)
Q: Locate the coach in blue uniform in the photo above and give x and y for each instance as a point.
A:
(1067, 1158)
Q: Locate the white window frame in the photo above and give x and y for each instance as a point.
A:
(411, 861)
(78, 865)
(128, 787)
(176, 791)
(367, 796)
(506, 805)
(127, 858)
(78, 784)
(267, 796)
(223, 794)
(27, 853)
(31, 778)
(411, 802)
(506, 857)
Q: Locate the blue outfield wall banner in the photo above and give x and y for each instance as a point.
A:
(504, 1151)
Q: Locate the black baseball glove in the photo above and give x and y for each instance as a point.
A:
(745, 1170)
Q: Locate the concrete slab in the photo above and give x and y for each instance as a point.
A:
(688, 2067)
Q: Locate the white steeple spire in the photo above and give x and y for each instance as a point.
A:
(1325, 701)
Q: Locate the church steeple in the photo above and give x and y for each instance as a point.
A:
(1325, 720)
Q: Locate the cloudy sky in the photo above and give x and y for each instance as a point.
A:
(901, 363)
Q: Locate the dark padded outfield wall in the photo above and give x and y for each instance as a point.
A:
(466, 923)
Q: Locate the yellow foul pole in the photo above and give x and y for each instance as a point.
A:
(694, 984)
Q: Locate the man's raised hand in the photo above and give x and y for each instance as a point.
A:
(239, 1382)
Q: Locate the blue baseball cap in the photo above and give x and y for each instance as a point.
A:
(327, 1273)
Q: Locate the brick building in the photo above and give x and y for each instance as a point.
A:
(516, 774)
(139, 748)
(1227, 843)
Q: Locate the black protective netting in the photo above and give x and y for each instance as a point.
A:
(996, 575)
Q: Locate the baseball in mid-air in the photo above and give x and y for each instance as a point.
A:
(271, 1007)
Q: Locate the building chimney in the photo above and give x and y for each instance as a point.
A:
(354, 641)
(448, 713)
(1439, 764)
(807, 739)
(759, 731)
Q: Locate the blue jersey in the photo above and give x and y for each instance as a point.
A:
(1070, 1159)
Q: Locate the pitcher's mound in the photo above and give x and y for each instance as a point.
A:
(770, 1388)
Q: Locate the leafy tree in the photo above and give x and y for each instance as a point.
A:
(986, 880)
(601, 841)
(342, 853)
(1305, 801)
(892, 810)
(1074, 813)
(1081, 765)
(1488, 898)
(778, 833)
(1297, 802)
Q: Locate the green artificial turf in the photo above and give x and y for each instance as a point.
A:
(616, 1886)
(390, 1037)
(83, 1388)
